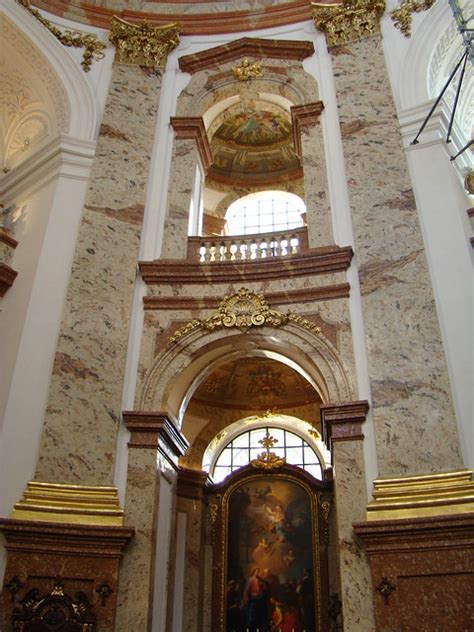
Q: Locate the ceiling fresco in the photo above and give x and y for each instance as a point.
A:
(254, 144)
(255, 383)
(254, 129)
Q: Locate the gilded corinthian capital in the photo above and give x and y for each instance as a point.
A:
(143, 44)
(349, 20)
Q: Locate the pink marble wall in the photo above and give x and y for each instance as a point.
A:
(411, 399)
(83, 411)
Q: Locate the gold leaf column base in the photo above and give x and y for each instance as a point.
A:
(422, 496)
(77, 504)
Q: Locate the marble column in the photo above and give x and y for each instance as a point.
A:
(154, 448)
(342, 432)
(309, 147)
(191, 502)
(413, 413)
(83, 411)
(190, 146)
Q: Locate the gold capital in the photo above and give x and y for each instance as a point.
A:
(143, 44)
(348, 21)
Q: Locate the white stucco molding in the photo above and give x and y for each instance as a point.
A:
(64, 155)
(82, 119)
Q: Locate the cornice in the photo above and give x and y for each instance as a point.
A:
(304, 116)
(423, 533)
(343, 422)
(246, 47)
(7, 277)
(7, 239)
(191, 483)
(148, 429)
(192, 127)
(179, 303)
(268, 16)
(325, 260)
(31, 536)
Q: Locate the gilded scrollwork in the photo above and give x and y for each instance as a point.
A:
(402, 17)
(143, 44)
(244, 310)
(350, 21)
(93, 47)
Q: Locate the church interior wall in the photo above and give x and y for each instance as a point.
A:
(380, 333)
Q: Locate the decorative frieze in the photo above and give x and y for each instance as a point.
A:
(347, 22)
(143, 44)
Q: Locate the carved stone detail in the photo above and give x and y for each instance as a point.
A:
(347, 22)
(143, 44)
(54, 611)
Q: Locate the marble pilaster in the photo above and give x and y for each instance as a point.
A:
(154, 446)
(83, 411)
(413, 413)
(309, 146)
(342, 432)
(191, 145)
(191, 501)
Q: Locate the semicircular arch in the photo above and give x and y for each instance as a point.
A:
(178, 371)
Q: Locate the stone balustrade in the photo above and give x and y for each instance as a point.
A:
(248, 247)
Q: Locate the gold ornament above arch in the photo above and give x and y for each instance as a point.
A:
(244, 310)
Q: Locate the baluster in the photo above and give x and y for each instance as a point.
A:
(243, 248)
(263, 249)
(222, 251)
(294, 243)
(253, 249)
(202, 252)
(283, 246)
(212, 252)
(233, 251)
(273, 247)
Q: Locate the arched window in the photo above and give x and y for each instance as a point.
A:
(264, 212)
(248, 445)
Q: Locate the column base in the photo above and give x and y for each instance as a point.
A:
(419, 536)
(67, 566)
